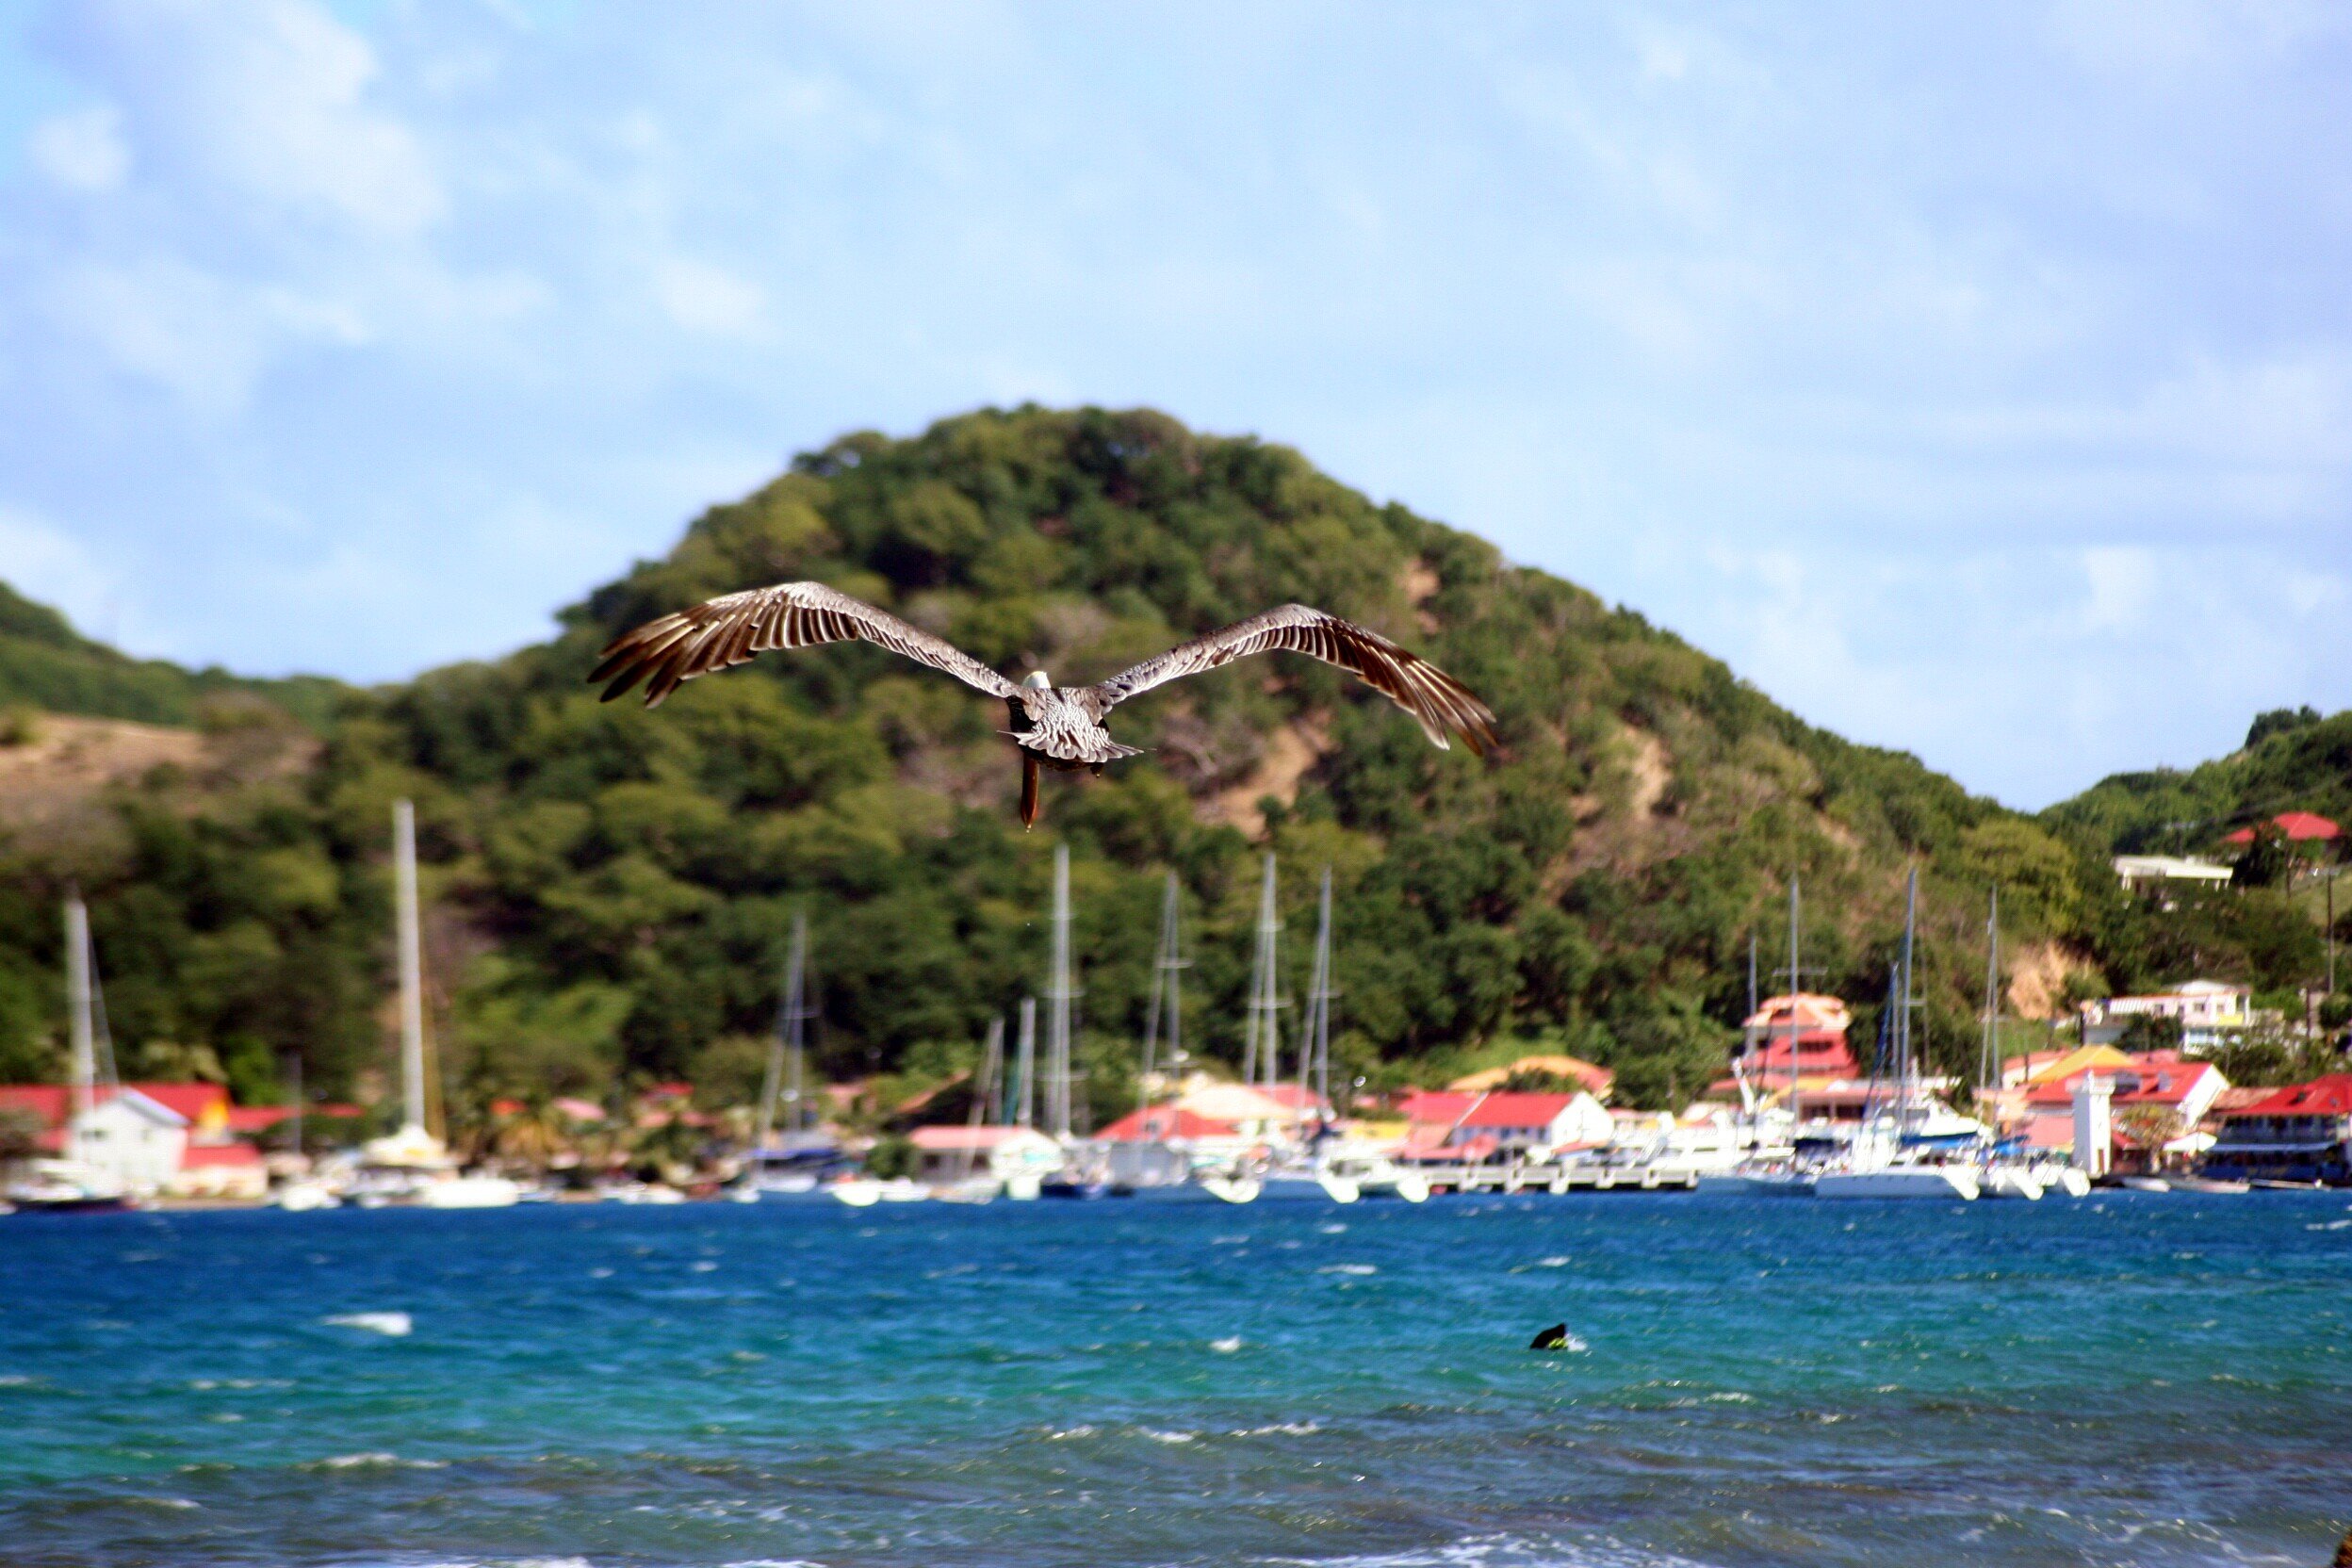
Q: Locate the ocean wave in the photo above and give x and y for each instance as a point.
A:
(1227, 1346)
(1599, 1551)
(392, 1325)
(376, 1460)
(1347, 1268)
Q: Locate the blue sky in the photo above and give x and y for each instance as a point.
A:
(1975, 379)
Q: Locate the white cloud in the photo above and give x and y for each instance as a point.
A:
(270, 98)
(703, 298)
(204, 338)
(81, 151)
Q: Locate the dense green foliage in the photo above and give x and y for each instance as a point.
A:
(610, 887)
(2292, 761)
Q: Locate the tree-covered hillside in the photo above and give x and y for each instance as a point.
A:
(612, 886)
(46, 664)
(2291, 760)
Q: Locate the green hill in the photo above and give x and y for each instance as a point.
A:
(610, 887)
(2291, 760)
(45, 663)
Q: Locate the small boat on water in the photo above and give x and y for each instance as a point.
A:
(2209, 1185)
(2143, 1183)
(863, 1192)
(469, 1192)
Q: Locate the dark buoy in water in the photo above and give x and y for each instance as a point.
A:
(1553, 1338)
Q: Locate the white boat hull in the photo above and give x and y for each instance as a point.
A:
(469, 1192)
(2009, 1181)
(1900, 1182)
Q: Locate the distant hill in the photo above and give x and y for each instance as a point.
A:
(2291, 760)
(609, 888)
(45, 663)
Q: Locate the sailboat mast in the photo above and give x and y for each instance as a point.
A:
(1026, 1097)
(1318, 1046)
(1988, 1064)
(1165, 982)
(1261, 1050)
(1795, 972)
(412, 965)
(784, 1066)
(1908, 1090)
(1058, 998)
(85, 1064)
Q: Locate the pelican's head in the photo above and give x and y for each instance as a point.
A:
(1036, 681)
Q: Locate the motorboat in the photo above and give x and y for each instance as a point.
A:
(968, 1190)
(2144, 1184)
(2209, 1185)
(305, 1197)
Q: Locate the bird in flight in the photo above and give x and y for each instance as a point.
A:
(1055, 727)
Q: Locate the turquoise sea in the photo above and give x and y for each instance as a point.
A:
(2135, 1379)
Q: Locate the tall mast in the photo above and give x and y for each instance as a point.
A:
(1903, 1017)
(1166, 989)
(85, 1066)
(1025, 1097)
(983, 1087)
(1795, 974)
(1262, 1040)
(1751, 975)
(1316, 1047)
(1058, 998)
(1988, 1066)
(412, 965)
(784, 1055)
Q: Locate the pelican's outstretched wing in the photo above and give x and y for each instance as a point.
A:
(729, 631)
(1439, 701)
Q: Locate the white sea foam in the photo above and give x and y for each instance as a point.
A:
(1227, 1346)
(392, 1324)
(1171, 1437)
(1347, 1268)
(1597, 1551)
(1334, 1229)
(1556, 1261)
(1282, 1428)
(375, 1461)
(705, 1266)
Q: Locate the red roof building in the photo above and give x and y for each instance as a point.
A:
(2302, 1133)
(2299, 827)
(1162, 1123)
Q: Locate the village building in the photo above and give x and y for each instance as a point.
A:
(1802, 1037)
(2151, 873)
(2037, 1103)
(1451, 1125)
(127, 1136)
(2209, 1013)
(1593, 1079)
(2302, 1133)
(952, 1152)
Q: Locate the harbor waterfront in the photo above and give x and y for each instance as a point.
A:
(2134, 1378)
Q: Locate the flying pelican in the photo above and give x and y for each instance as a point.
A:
(1055, 727)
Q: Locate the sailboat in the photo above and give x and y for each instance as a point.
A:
(1347, 1170)
(413, 1164)
(80, 1182)
(2001, 1176)
(1896, 1156)
(1169, 1177)
(1765, 1175)
(789, 1160)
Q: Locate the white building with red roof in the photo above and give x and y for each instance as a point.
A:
(2041, 1108)
(1442, 1126)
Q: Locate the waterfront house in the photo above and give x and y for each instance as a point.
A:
(2302, 1133)
(951, 1152)
(124, 1134)
(2040, 1109)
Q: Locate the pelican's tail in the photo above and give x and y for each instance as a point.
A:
(1028, 789)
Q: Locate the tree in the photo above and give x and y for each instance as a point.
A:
(2268, 861)
(2149, 1128)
